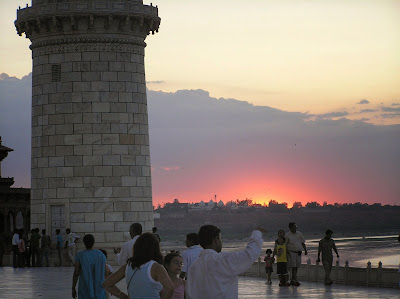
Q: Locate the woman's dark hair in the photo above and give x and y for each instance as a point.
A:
(268, 251)
(88, 240)
(207, 233)
(169, 257)
(146, 248)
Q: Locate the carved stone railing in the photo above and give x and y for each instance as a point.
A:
(367, 277)
(47, 17)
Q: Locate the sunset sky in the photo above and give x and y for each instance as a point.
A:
(314, 109)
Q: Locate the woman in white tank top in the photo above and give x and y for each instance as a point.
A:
(144, 274)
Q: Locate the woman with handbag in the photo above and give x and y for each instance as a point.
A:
(145, 276)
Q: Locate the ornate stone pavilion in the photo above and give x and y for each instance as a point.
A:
(14, 202)
(90, 139)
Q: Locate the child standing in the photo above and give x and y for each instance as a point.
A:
(281, 265)
(173, 263)
(269, 260)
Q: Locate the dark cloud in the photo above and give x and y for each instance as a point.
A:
(390, 115)
(363, 102)
(15, 126)
(155, 82)
(390, 109)
(204, 144)
(368, 110)
(333, 114)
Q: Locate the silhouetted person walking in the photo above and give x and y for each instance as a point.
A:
(325, 246)
(45, 248)
(34, 247)
(15, 242)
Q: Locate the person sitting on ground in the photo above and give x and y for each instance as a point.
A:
(281, 259)
(124, 253)
(145, 276)
(214, 273)
(269, 261)
(325, 246)
(295, 244)
(173, 264)
(192, 254)
(90, 270)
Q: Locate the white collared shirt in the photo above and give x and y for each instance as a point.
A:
(214, 275)
(190, 256)
(15, 239)
(126, 251)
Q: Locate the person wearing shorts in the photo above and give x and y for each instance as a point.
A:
(295, 244)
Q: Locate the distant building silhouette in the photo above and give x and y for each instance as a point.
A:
(14, 202)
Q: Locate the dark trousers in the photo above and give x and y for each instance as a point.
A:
(35, 256)
(21, 259)
(15, 255)
(1, 257)
(28, 257)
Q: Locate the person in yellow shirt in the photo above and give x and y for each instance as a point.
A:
(280, 251)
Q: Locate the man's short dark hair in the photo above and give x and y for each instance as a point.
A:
(193, 238)
(291, 224)
(88, 240)
(154, 229)
(207, 233)
(136, 228)
(58, 231)
(328, 231)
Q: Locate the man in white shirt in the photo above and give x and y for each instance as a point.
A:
(214, 273)
(192, 254)
(15, 242)
(70, 244)
(295, 244)
(126, 252)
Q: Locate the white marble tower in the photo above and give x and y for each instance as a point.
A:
(90, 139)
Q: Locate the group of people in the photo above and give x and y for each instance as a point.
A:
(33, 249)
(202, 271)
(288, 250)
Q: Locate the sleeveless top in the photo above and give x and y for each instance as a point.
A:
(179, 292)
(139, 282)
(282, 258)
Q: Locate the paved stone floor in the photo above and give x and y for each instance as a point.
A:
(56, 283)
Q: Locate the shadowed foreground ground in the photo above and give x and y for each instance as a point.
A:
(56, 283)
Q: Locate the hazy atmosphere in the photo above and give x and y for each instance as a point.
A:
(283, 100)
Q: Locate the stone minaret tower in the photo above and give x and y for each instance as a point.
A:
(90, 137)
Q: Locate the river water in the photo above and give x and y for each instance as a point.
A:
(357, 250)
